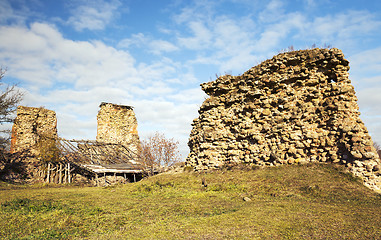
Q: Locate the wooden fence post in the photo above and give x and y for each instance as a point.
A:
(68, 170)
(48, 175)
(65, 177)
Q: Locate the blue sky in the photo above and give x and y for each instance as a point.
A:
(69, 56)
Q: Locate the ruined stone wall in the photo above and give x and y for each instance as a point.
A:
(296, 107)
(29, 125)
(29, 130)
(118, 124)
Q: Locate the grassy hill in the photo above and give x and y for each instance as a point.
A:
(289, 202)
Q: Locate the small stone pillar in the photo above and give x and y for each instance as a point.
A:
(118, 124)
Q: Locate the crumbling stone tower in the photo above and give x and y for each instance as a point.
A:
(118, 124)
(30, 130)
(30, 124)
(296, 107)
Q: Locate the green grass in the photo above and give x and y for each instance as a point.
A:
(289, 202)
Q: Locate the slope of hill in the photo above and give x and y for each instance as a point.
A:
(316, 201)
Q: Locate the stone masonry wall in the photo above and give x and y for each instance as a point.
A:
(297, 107)
(118, 124)
(30, 123)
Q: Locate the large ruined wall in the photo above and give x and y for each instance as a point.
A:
(296, 107)
(118, 124)
(29, 125)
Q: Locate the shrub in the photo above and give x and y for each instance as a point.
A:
(157, 151)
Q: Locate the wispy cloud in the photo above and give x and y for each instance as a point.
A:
(93, 15)
(341, 29)
(159, 46)
(273, 12)
(137, 39)
(201, 39)
(10, 15)
(155, 46)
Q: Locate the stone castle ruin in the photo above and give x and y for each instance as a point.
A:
(35, 131)
(297, 107)
(118, 124)
(28, 130)
(30, 124)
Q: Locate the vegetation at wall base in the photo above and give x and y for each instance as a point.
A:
(48, 150)
(314, 201)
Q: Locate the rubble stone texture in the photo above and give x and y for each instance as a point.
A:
(29, 125)
(297, 107)
(118, 124)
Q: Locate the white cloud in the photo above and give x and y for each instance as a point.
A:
(365, 74)
(8, 14)
(93, 15)
(196, 10)
(310, 4)
(273, 12)
(152, 90)
(170, 117)
(228, 42)
(202, 38)
(221, 41)
(342, 28)
(374, 127)
(274, 34)
(20, 57)
(231, 37)
(73, 77)
(155, 46)
(235, 44)
(70, 127)
(367, 61)
(192, 95)
(135, 40)
(159, 46)
(93, 95)
(157, 70)
(369, 100)
(47, 57)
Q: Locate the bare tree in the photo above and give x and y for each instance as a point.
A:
(157, 152)
(10, 97)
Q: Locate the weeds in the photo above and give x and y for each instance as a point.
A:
(291, 48)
